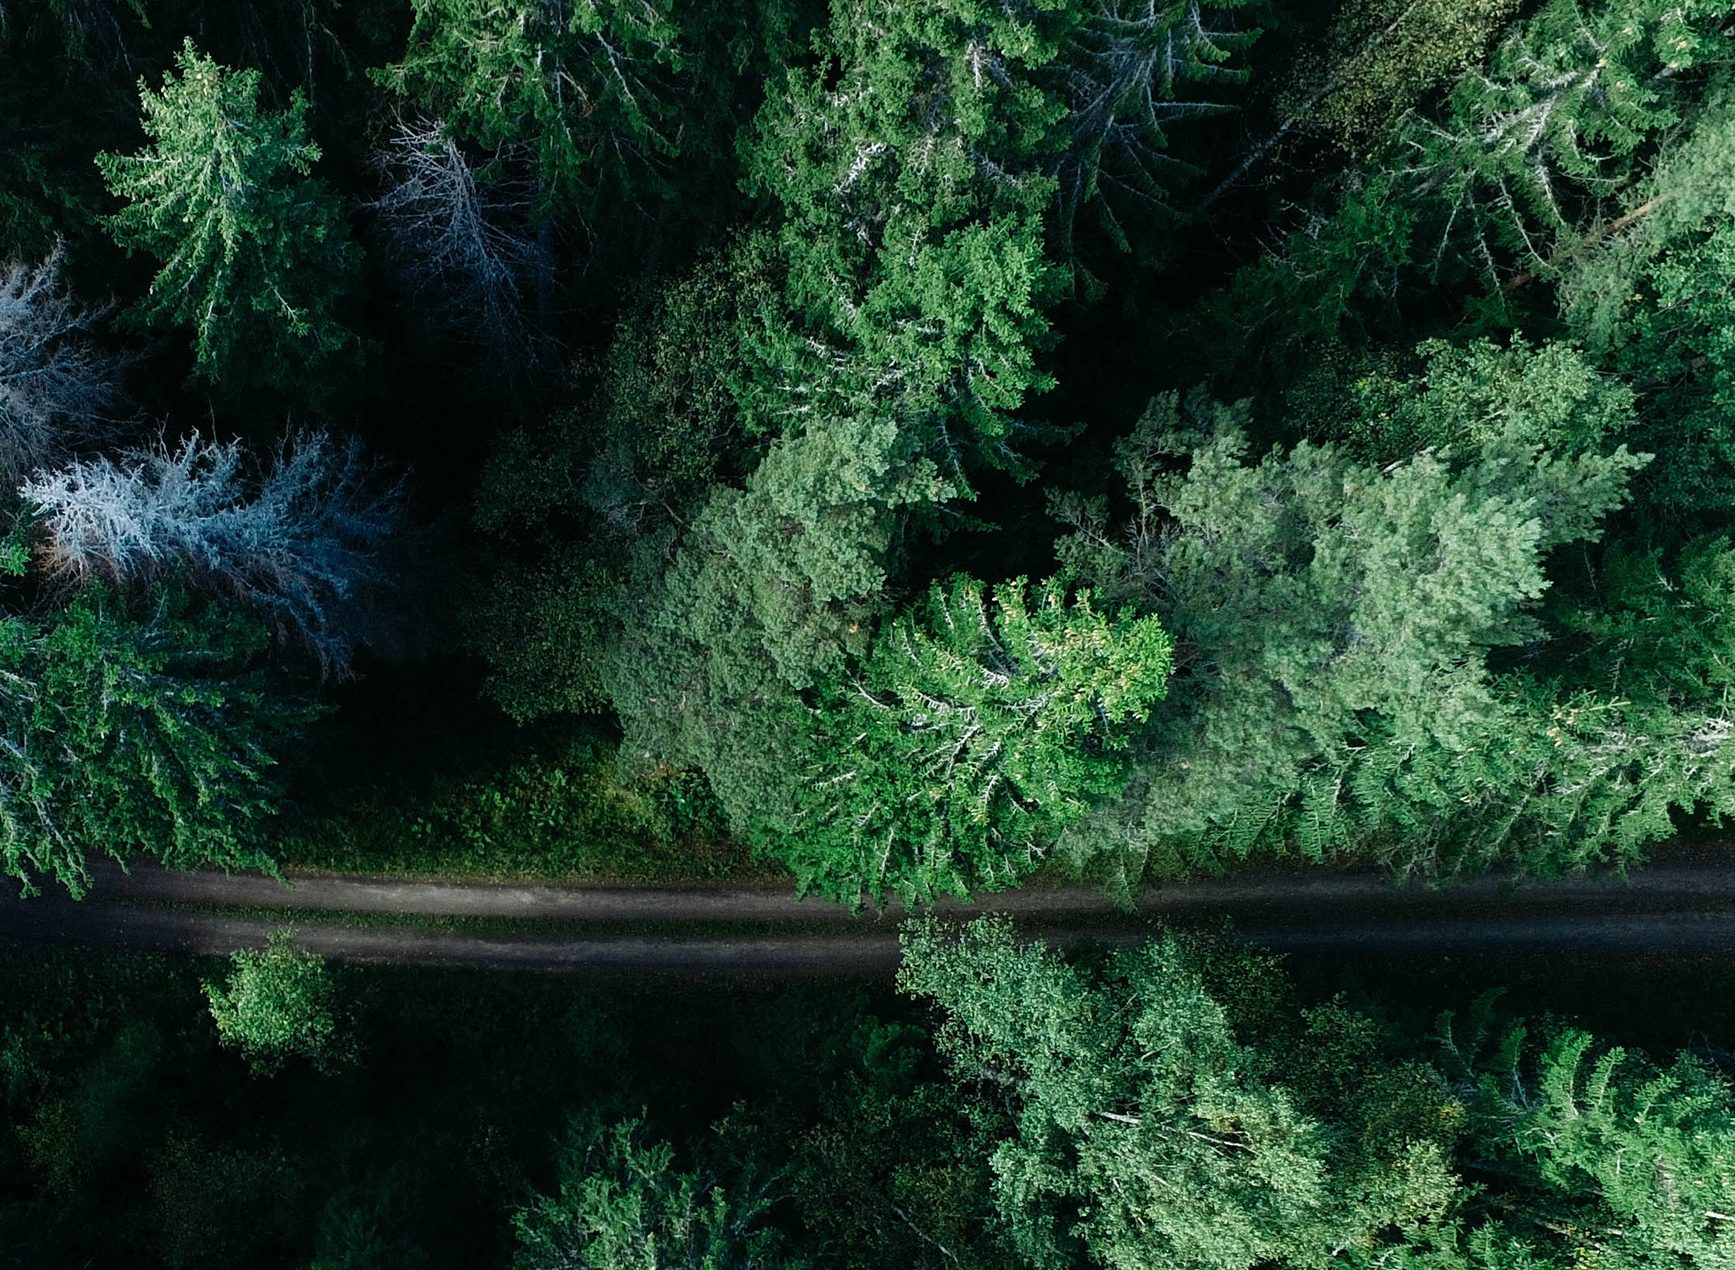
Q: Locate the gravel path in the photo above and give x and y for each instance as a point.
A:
(1682, 906)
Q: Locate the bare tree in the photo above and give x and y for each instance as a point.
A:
(451, 234)
(55, 387)
(300, 543)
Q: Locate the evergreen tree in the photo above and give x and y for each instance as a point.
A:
(974, 733)
(1337, 620)
(621, 1205)
(1142, 1130)
(126, 734)
(583, 84)
(1600, 1148)
(1534, 158)
(905, 163)
(254, 251)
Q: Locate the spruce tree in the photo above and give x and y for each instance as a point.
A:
(255, 254)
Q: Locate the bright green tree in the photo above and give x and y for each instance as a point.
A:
(278, 1003)
(622, 1205)
(1142, 1130)
(980, 726)
(1600, 1148)
(147, 733)
(254, 251)
(905, 162)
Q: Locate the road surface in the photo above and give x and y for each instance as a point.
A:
(1683, 906)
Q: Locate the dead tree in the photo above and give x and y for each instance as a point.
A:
(56, 387)
(298, 543)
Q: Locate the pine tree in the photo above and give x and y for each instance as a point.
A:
(1338, 619)
(1140, 1130)
(254, 251)
(622, 1205)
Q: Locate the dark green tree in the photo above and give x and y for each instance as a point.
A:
(147, 733)
(622, 1205)
(583, 84)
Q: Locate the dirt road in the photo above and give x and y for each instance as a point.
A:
(1683, 906)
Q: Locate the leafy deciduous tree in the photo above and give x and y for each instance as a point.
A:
(278, 1003)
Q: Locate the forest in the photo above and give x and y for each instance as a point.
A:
(894, 451)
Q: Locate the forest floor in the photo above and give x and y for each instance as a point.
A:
(1682, 906)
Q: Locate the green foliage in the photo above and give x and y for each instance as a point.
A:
(254, 252)
(1532, 159)
(1606, 1149)
(1337, 620)
(1464, 398)
(1127, 72)
(1380, 58)
(147, 733)
(666, 416)
(892, 1141)
(1143, 1131)
(1664, 634)
(904, 163)
(584, 84)
(976, 731)
(621, 1205)
(277, 1004)
(1643, 293)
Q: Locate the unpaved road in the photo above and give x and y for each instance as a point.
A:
(1681, 907)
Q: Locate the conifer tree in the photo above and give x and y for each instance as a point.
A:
(127, 734)
(1339, 619)
(1139, 1129)
(255, 254)
(622, 1205)
(980, 727)
(584, 84)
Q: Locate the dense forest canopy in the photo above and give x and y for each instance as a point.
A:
(896, 450)
(1178, 1104)
(917, 446)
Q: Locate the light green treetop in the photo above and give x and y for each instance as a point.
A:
(278, 1003)
(978, 728)
(254, 251)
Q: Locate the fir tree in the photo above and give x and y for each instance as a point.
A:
(254, 251)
